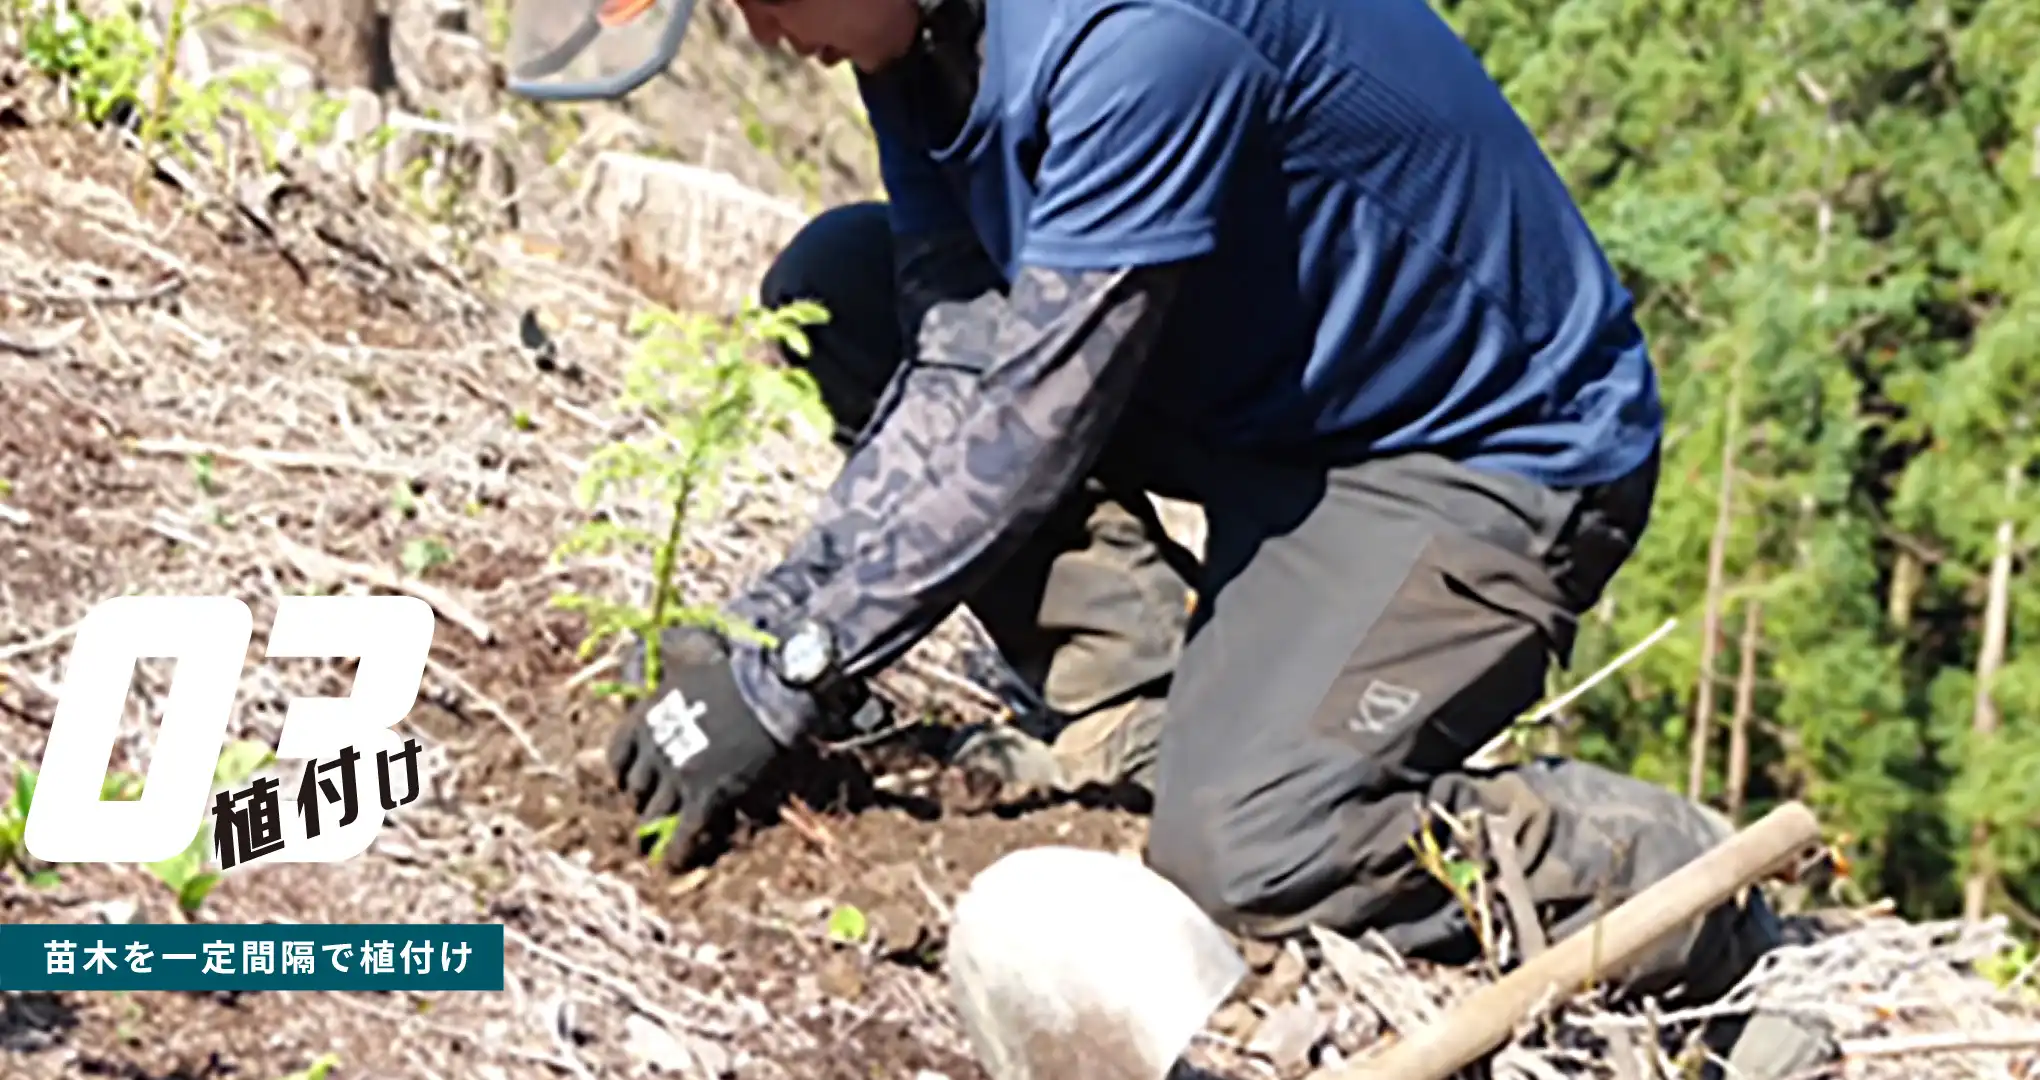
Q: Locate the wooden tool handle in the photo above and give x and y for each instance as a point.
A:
(1485, 1020)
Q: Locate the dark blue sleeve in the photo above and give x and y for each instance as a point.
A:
(918, 199)
(1146, 116)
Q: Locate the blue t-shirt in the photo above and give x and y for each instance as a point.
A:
(1388, 264)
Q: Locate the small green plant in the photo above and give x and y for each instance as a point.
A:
(424, 555)
(130, 1015)
(14, 829)
(495, 30)
(322, 119)
(848, 926)
(189, 874)
(102, 61)
(166, 74)
(186, 873)
(2010, 969)
(660, 832)
(14, 820)
(109, 62)
(317, 1070)
(1463, 878)
(709, 401)
(755, 131)
(204, 473)
(242, 759)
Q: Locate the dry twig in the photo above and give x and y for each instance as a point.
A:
(321, 566)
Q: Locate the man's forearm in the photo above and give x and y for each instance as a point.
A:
(1001, 415)
(945, 272)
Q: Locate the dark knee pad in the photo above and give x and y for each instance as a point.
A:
(832, 257)
(842, 260)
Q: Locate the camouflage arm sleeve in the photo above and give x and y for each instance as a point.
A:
(1002, 412)
(943, 270)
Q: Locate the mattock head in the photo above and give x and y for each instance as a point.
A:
(1068, 963)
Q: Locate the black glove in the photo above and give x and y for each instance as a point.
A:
(693, 747)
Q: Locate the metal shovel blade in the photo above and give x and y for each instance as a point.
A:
(1069, 964)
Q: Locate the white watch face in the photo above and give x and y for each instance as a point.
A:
(805, 655)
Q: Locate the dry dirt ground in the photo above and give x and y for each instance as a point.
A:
(134, 341)
(273, 394)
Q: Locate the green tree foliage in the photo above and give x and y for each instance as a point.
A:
(1830, 215)
(709, 399)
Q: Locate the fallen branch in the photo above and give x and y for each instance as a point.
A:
(35, 645)
(113, 297)
(1941, 1042)
(318, 564)
(803, 821)
(631, 995)
(42, 344)
(1531, 940)
(489, 705)
(282, 459)
(590, 673)
(1490, 754)
(1484, 1020)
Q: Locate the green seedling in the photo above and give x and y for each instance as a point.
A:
(317, 1070)
(425, 554)
(660, 832)
(189, 874)
(203, 472)
(848, 926)
(1464, 879)
(118, 786)
(709, 400)
(113, 71)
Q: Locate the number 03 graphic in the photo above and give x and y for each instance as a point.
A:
(208, 637)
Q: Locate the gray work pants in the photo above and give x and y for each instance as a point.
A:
(1361, 629)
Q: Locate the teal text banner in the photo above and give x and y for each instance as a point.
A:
(252, 956)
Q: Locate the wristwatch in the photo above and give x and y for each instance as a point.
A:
(806, 657)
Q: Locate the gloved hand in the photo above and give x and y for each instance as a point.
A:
(693, 747)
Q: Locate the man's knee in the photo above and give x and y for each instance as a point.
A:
(842, 261)
(1253, 868)
(1186, 847)
(829, 257)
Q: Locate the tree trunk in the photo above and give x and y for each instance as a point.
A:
(1745, 704)
(1990, 656)
(1907, 575)
(1710, 623)
(351, 38)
